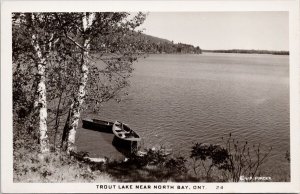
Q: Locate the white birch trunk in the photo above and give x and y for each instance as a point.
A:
(79, 98)
(41, 102)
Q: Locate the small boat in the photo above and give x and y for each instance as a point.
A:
(123, 132)
(97, 124)
(125, 140)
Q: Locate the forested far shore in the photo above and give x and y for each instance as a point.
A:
(245, 51)
(155, 45)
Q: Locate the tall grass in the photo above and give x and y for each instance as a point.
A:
(54, 167)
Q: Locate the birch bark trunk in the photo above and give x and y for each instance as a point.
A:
(87, 21)
(41, 101)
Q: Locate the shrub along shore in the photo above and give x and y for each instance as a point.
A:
(206, 163)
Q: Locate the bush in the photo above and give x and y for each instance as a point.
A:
(218, 158)
(153, 166)
(232, 161)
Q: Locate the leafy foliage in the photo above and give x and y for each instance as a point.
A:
(233, 160)
(217, 155)
(112, 44)
(154, 166)
(288, 156)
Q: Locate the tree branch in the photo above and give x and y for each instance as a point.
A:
(66, 34)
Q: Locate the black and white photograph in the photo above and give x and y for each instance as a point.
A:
(148, 100)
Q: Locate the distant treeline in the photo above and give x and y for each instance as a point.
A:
(174, 48)
(159, 45)
(249, 51)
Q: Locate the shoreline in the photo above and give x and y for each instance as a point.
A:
(241, 51)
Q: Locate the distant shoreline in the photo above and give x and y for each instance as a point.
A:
(244, 51)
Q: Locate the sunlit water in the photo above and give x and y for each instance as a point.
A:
(176, 100)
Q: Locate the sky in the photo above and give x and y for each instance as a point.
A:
(222, 30)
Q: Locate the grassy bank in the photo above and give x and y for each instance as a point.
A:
(32, 167)
(53, 167)
(155, 166)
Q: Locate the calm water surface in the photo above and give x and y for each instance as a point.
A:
(175, 100)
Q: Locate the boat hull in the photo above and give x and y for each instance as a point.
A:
(125, 147)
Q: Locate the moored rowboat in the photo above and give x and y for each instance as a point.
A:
(124, 132)
(97, 124)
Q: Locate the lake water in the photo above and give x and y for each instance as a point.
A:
(175, 100)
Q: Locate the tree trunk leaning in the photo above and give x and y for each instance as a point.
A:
(87, 21)
(78, 101)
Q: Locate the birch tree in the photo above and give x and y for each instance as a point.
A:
(41, 101)
(37, 28)
(87, 21)
(42, 38)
